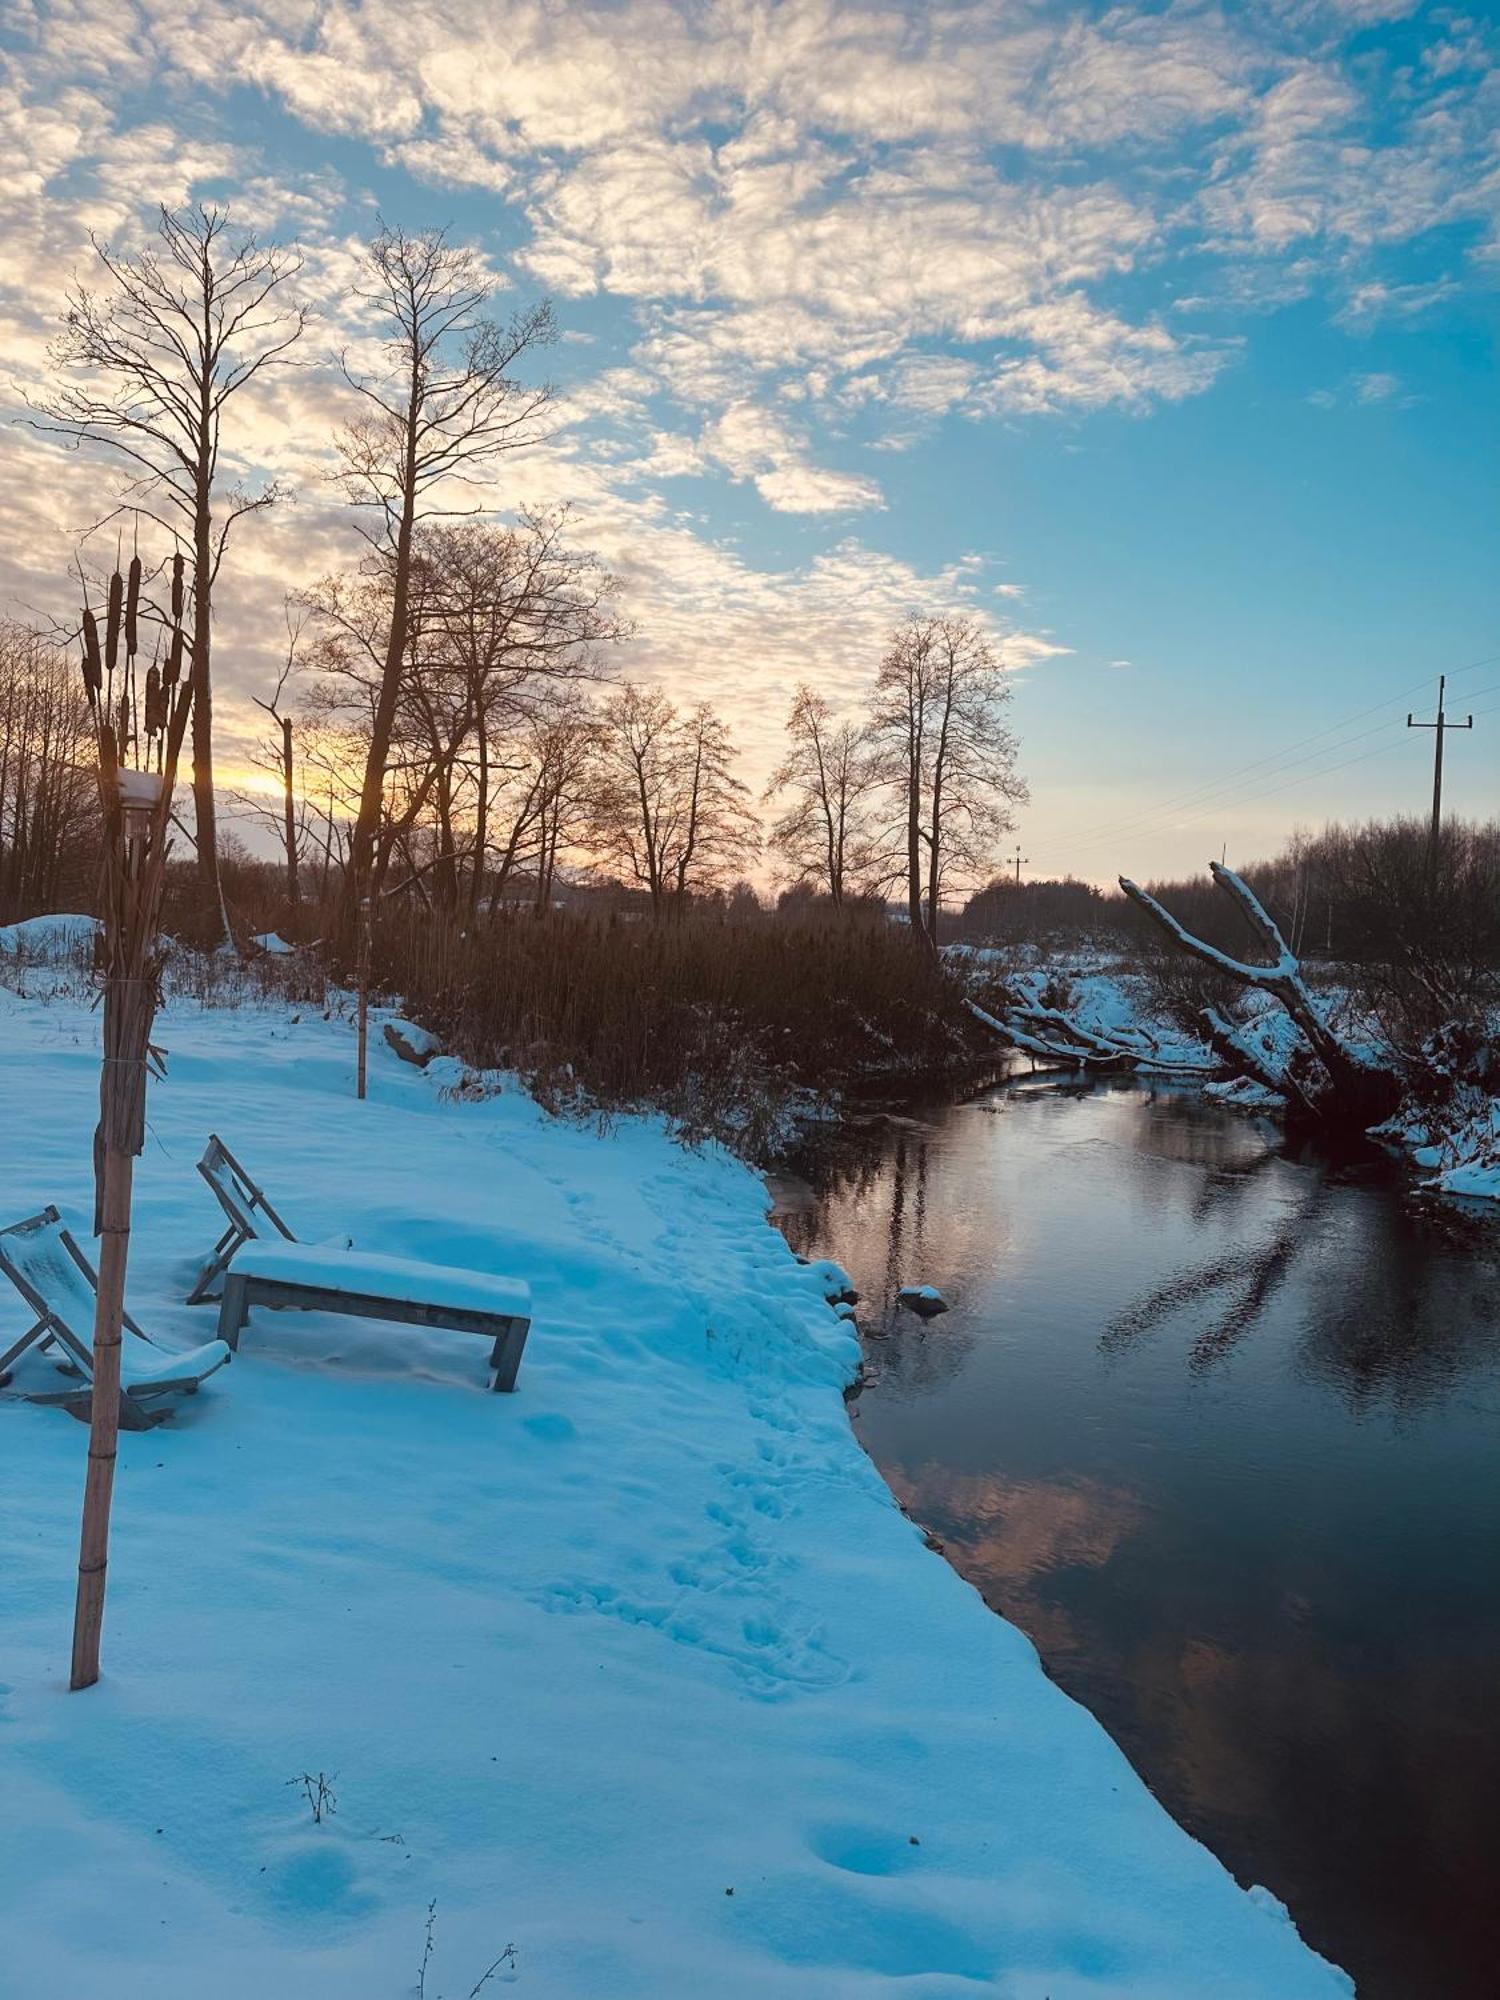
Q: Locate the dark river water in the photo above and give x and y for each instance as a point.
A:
(1217, 1422)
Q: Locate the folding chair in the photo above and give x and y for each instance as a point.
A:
(243, 1202)
(57, 1281)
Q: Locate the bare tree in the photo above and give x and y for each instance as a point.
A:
(500, 622)
(511, 616)
(829, 774)
(668, 809)
(948, 757)
(445, 407)
(564, 745)
(49, 801)
(286, 813)
(177, 330)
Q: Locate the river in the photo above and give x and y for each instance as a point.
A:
(1216, 1421)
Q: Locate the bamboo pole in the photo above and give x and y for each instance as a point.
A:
(117, 1175)
(137, 803)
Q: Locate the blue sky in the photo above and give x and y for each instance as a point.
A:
(1161, 336)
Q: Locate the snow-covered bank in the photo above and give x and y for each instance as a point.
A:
(1099, 1008)
(639, 1669)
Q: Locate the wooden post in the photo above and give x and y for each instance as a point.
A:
(364, 992)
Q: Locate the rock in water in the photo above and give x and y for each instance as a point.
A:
(926, 1301)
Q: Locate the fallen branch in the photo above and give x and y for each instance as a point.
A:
(1355, 1089)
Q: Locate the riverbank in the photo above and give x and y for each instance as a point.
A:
(1453, 1149)
(1213, 1417)
(639, 1670)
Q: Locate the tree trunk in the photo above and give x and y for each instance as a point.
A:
(1357, 1093)
(205, 817)
(362, 857)
(914, 843)
(293, 887)
(481, 821)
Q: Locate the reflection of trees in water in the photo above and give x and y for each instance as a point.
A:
(1391, 1299)
(1245, 1280)
(1392, 1307)
(1408, 1304)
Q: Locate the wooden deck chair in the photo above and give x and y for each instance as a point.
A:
(244, 1204)
(58, 1283)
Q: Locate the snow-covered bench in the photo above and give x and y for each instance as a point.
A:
(370, 1286)
(58, 1283)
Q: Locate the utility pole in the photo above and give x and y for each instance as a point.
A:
(1021, 861)
(1441, 726)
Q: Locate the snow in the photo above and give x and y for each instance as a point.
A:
(403, 1279)
(274, 945)
(1113, 1005)
(52, 937)
(833, 1281)
(578, 1662)
(416, 1044)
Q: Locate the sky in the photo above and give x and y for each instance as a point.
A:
(1162, 338)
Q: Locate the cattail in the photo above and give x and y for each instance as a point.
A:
(93, 672)
(174, 660)
(112, 624)
(177, 586)
(156, 705)
(132, 604)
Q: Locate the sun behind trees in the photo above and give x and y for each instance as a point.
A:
(669, 812)
(447, 722)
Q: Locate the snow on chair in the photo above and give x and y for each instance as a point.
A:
(243, 1202)
(46, 1266)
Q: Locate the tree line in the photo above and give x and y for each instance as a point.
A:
(447, 723)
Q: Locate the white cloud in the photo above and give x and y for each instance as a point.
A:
(806, 215)
(754, 444)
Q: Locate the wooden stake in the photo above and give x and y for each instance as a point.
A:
(364, 991)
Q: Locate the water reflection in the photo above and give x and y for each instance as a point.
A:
(1008, 1535)
(1217, 1423)
(1236, 1289)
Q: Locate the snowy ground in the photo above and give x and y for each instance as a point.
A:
(639, 1670)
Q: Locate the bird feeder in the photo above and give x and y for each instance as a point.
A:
(140, 794)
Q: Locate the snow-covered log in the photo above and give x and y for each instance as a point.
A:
(1058, 1037)
(1355, 1089)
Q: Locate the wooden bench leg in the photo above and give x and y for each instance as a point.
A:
(506, 1356)
(233, 1311)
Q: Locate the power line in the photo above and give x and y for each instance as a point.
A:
(1215, 793)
